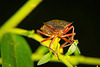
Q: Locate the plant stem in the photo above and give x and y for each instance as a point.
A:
(0, 61)
(74, 60)
(19, 16)
(89, 60)
(21, 31)
(65, 61)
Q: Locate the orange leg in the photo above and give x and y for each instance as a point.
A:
(66, 39)
(66, 26)
(52, 41)
(52, 50)
(72, 33)
(67, 30)
(50, 44)
(43, 33)
(72, 37)
(47, 39)
(63, 45)
(67, 45)
(67, 35)
(50, 37)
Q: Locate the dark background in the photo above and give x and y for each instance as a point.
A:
(84, 14)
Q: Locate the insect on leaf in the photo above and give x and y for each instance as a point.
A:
(15, 51)
(45, 58)
(72, 48)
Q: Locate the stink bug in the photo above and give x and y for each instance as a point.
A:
(57, 28)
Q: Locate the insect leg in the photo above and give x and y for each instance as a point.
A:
(66, 39)
(50, 44)
(72, 37)
(47, 39)
(63, 45)
(43, 33)
(52, 50)
(67, 35)
(67, 45)
(66, 26)
(67, 30)
(52, 41)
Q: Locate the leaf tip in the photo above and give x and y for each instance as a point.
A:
(45, 59)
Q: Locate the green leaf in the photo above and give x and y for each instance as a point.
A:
(15, 51)
(45, 58)
(0, 49)
(72, 48)
(77, 52)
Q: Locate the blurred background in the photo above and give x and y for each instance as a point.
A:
(84, 13)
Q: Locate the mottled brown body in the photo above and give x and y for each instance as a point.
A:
(57, 28)
(58, 24)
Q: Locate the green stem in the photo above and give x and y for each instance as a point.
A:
(89, 60)
(20, 31)
(65, 61)
(74, 60)
(19, 16)
(0, 61)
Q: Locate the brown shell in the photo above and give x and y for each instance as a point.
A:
(58, 24)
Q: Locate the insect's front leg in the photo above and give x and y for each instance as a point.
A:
(50, 44)
(47, 39)
(52, 50)
(52, 41)
(43, 33)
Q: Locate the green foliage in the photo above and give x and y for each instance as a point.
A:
(15, 51)
(72, 48)
(45, 58)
